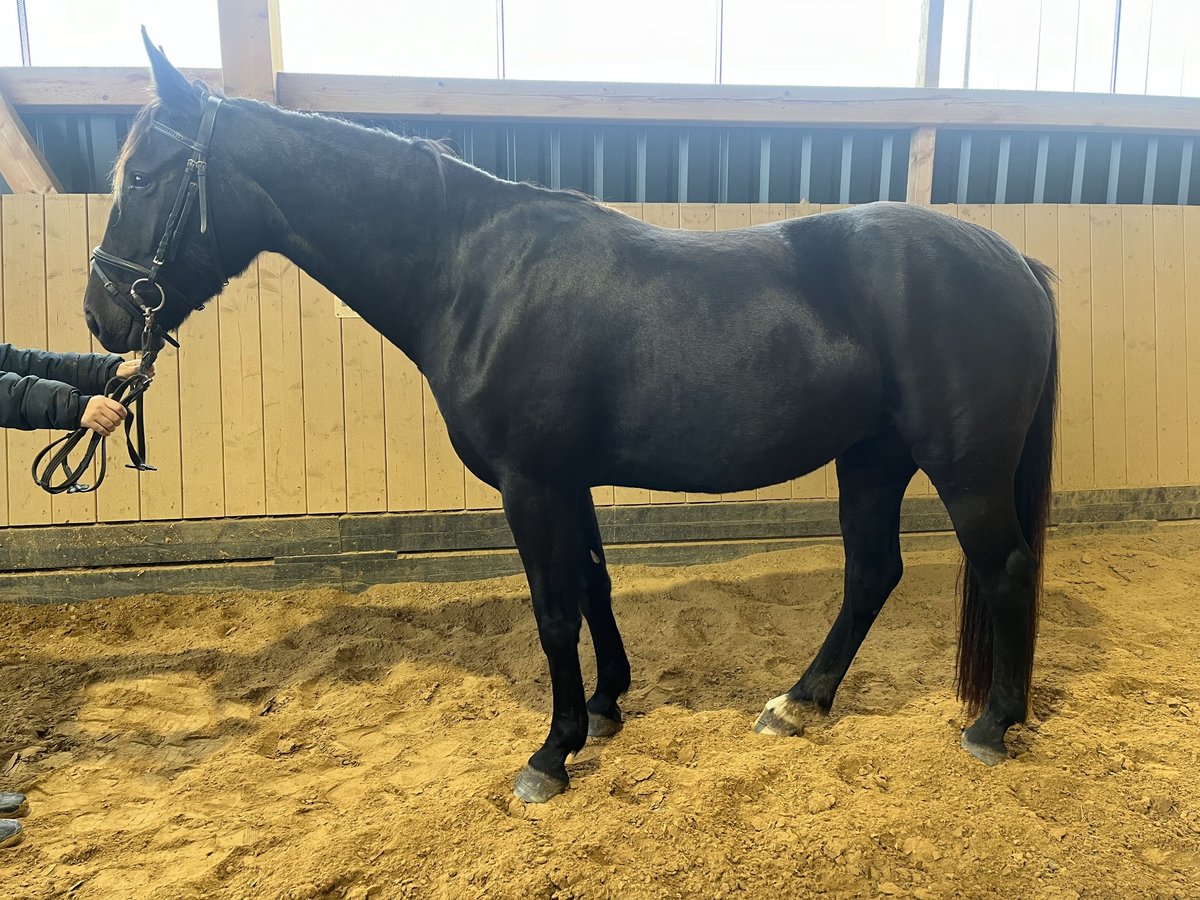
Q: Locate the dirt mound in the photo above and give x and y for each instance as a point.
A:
(317, 744)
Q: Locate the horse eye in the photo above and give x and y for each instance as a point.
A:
(137, 180)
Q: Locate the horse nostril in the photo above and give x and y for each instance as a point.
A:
(92, 324)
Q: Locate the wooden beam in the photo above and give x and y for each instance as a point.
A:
(929, 54)
(251, 54)
(488, 99)
(99, 88)
(920, 165)
(21, 162)
(105, 88)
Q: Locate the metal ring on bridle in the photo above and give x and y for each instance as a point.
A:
(162, 297)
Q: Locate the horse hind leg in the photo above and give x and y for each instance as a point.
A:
(999, 616)
(871, 481)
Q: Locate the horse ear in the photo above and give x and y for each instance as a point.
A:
(172, 88)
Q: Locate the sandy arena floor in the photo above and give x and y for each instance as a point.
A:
(318, 744)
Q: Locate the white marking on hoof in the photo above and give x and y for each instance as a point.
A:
(782, 717)
(986, 755)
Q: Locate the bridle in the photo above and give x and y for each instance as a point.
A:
(129, 391)
(194, 185)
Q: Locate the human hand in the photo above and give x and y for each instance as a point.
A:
(102, 415)
(125, 369)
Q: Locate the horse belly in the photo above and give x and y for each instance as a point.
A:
(744, 439)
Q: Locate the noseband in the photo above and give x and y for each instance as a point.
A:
(129, 391)
(193, 185)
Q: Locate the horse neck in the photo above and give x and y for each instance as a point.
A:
(363, 213)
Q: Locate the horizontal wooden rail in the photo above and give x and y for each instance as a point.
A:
(104, 89)
(733, 104)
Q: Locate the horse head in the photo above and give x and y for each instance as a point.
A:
(183, 217)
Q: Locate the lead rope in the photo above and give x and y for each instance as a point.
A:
(126, 391)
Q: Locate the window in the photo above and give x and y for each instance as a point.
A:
(867, 43)
(437, 38)
(107, 32)
(618, 40)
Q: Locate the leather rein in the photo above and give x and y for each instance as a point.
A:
(129, 391)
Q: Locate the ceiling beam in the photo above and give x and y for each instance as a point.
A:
(21, 162)
(251, 53)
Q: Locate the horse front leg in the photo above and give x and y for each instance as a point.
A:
(612, 664)
(545, 525)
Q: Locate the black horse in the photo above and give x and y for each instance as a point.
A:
(569, 345)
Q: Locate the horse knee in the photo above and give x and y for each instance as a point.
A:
(559, 631)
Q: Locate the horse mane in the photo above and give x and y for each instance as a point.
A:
(439, 150)
(142, 123)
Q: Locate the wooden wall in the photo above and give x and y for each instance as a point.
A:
(275, 406)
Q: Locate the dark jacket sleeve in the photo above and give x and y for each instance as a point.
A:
(89, 372)
(28, 402)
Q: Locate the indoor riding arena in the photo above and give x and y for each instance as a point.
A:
(297, 630)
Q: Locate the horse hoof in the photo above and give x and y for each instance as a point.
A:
(602, 726)
(989, 756)
(781, 717)
(537, 787)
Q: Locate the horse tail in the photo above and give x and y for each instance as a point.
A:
(1032, 493)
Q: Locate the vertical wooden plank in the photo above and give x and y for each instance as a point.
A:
(1008, 221)
(1076, 412)
(920, 165)
(800, 210)
(731, 215)
(445, 476)
(66, 278)
(979, 213)
(480, 495)
(242, 396)
(404, 430)
(665, 215)
(633, 210)
(202, 449)
(24, 258)
(119, 501)
(1170, 345)
(1108, 348)
(1141, 393)
(161, 491)
(1191, 277)
(282, 386)
(1041, 243)
(366, 445)
(251, 47)
(324, 431)
(727, 216)
(698, 217)
(603, 495)
(761, 213)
